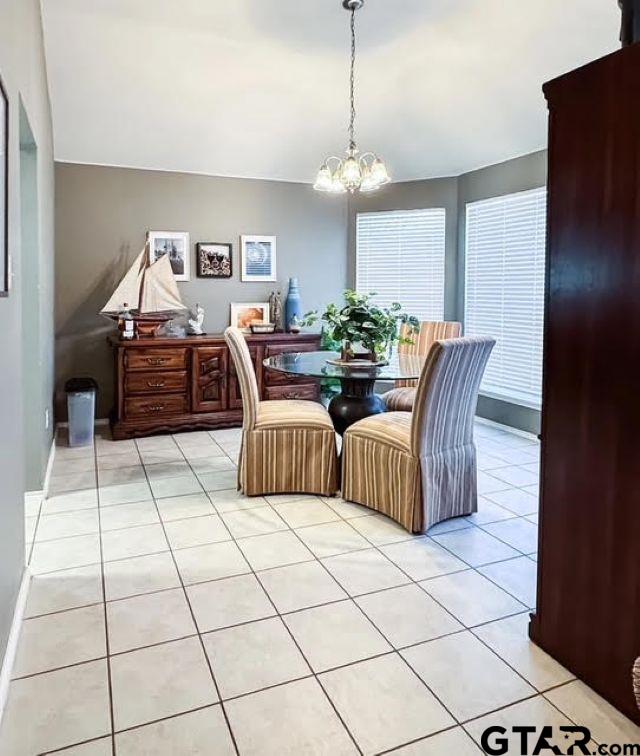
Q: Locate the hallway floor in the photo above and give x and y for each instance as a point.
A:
(168, 614)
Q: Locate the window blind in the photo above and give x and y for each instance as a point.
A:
(400, 257)
(504, 290)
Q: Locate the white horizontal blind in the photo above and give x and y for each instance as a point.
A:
(400, 257)
(504, 290)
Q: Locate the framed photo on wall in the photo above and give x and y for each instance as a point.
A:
(4, 191)
(258, 255)
(213, 260)
(176, 245)
(244, 313)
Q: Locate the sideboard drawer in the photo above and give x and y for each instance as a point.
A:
(143, 359)
(157, 406)
(310, 391)
(155, 383)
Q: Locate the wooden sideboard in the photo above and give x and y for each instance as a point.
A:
(172, 384)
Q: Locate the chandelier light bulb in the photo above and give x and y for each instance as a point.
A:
(355, 172)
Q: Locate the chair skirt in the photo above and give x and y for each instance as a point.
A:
(383, 478)
(287, 461)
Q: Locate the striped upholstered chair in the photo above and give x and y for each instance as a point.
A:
(419, 468)
(401, 398)
(288, 446)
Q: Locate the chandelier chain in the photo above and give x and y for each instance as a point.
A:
(352, 82)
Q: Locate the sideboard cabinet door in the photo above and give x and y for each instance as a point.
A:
(209, 379)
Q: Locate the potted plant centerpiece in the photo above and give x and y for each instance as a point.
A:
(375, 329)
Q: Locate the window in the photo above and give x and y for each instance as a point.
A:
(504, 291)
(400, 257)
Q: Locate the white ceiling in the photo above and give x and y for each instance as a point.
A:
(258, 88)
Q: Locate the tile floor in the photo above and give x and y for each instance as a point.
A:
(168, 614)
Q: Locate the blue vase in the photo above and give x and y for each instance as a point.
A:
(293, 305)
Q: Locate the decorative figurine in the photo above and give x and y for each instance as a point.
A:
(195, 323)
(277, 311)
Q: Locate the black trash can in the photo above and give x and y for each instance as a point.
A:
(81, 410)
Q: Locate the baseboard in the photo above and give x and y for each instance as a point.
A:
(507, 428)
(12, 641)
(99, 421)
(49, 470)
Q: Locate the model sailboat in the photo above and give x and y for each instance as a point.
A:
(148, 292)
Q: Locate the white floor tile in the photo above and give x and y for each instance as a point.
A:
(129, 577)
(163, 488)
(176, 469)
(148, 619)
(210, 562)
(454, 742)
(300, 586)
(518, 533)
(223, 603)
(131, 542)
(253, 522)
(289, 720)
(475, 547)
(67, 524)
(583, 705)
(274, 550)
(466, 676)
(56, 709)
(118, 462)
(517, 576)
(347, 509)
(515, 476)
(487, 484)
(489, 512)
(407, 615)
(423, 558)
(384, 704)
(77, 551)
(181, 507)
(509, 638)
(471, 598)
(196, 531)
(160, 681)
(70, 502)
(332, 538)
(192, 733)
(124, 493)
(129, 474)
(128, 515)
(381, 530)
(230, 501)
(254, 656)
(516, 500)
(298, 514)
(59, 640)
(364, 571)
(65, 589)
(100, 747)
(335, 634)
(220, 480)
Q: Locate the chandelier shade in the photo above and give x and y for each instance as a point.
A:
(354, 172)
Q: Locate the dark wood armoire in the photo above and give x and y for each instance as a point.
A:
(588, 608)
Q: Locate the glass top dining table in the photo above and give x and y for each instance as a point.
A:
(357, 398)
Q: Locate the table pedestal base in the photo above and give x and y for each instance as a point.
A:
(356, 401)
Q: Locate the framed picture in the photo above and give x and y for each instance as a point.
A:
(176, 245)
(4, 191)
(244, 313)
(258, 258)
(213, 260)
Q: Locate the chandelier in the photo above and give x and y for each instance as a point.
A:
(364, 172)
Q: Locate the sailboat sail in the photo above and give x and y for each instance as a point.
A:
(146, 288)
(160, 291)
(128, 291)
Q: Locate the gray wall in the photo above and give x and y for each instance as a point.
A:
(518, 175)
(102, 215)
(23, 71)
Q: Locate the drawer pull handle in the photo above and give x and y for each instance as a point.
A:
(292, 395)
(156, 360)
(154, 408)
(156, 384)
